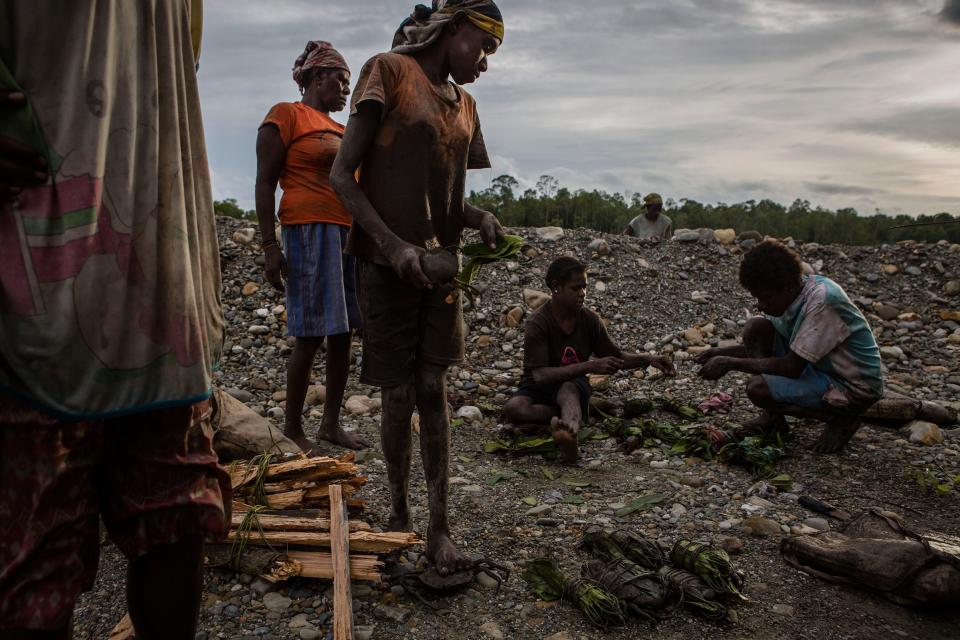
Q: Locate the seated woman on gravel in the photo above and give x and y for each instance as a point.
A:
(812, 353)
(559, 340)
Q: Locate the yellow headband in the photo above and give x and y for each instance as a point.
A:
(486, 23)
(479, 20)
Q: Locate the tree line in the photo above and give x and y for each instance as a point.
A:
(549, 204)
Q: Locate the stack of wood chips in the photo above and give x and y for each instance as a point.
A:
(281, 524)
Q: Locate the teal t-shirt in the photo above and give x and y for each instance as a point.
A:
(825, 328)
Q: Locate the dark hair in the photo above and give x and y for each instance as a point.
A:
(770, 266)
(561, 269)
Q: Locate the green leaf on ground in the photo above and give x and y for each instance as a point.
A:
(496, 477)
(576, 483)
(464, 459)
(574, 499)
(530, 501)
(641, 504)
(456, 422)
(549, 475)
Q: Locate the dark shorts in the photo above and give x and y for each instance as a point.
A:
(547, 393)
(404, 327)
(153, 478)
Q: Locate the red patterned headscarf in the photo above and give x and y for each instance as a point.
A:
(317, 55)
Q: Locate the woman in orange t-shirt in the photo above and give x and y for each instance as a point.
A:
(296, 146)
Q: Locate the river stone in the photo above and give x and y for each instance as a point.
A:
(924, 433)
(276, 602)
(550, 234)
(535, 299)
(761, 527)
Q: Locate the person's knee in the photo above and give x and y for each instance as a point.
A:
(758, 330)
(431, 387)
(399, 399)
(758, 391)
(514, 408)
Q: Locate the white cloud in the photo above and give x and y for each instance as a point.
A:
(715, 100)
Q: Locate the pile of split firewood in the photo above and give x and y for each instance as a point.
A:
(292, 517)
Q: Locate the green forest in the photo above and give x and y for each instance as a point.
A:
(550, 204)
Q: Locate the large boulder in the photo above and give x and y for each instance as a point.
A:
(686, 235)
(550, 234)
(725, 236)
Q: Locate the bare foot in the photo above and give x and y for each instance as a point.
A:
(764, 424)
(836, 434)
(306, 445)
(445, 556)
(518, 430)
(566, 439)
(340, 437)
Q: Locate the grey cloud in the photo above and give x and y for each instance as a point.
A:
(827, 188)
(951, 11)
(938, 126)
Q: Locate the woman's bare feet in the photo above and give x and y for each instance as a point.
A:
(340, 437)
(445, 556)
(566, 438)
(308, 446)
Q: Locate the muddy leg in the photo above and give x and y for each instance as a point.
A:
(338, 366)
(435, 449)
(395, 438)
(837, 432)
(566, 427)
(758, 338)
(521, 412)
(299, 367)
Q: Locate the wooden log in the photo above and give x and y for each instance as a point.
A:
(319, 564)
(340, 552)
(278, 522)
(303, 469)
(123, 630)
(363, 541)
(275, 567)
(350, 485)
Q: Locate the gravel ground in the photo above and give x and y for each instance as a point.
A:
(651, 294)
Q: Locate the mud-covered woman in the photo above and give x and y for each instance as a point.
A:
(413, 133)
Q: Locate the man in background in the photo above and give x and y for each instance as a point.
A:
(652, 223)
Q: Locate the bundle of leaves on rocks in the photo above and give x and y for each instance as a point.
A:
(636, 572)
(601, 608)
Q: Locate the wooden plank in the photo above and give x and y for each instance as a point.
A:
(274, 522)
(319, 564)
(340, 551)
(244, 473)
(123, 630)
(363, 541)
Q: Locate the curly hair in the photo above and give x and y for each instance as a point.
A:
(561, 269)
(770, 266)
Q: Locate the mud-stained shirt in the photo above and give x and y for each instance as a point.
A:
(109, 271)
(546, 344)
(415, 171)
(825, 328)
(644, 228)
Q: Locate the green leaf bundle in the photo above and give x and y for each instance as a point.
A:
(695, 595)
(548, 581)
(711, 565)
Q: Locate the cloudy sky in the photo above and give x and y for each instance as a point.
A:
(842, 102)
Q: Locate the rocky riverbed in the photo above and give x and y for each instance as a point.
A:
(672, 297)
